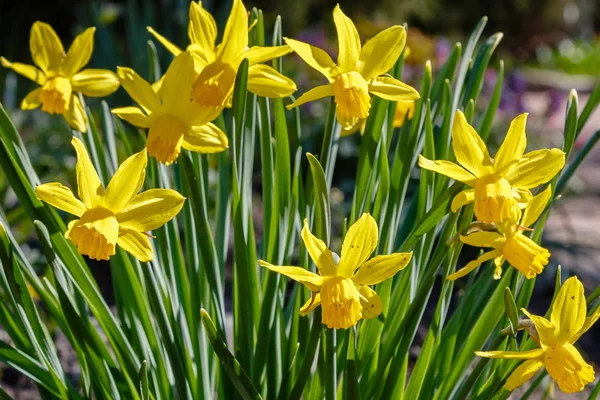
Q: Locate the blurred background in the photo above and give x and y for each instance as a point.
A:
(549, 47)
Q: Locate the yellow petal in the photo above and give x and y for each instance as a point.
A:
(522, 196)
(140, 91)
(474, 264)
(205, 139)
(79, 53)
(522, 374)
(313, 94)
(469, 149)
(513, 147)
(133, 115)
(95, 82)
(32, 100)
(535, 207)
(176, 88)
(589, 322)
(381, 52)
(135, 243)
(448, 169)
(311, 304)
(404, 111)
(164, 41)
(28, 71)
(483, 239)
(359, 243)
(202, 29)
(566, 366)
(462, 199)
(309, 279)
(214, 86)
(95, 234)
(235, 37)
(194, 114)
(266, 82)
(381, 268)
(46, 48)
(61, 197)
(512, 355)
(392, 89)
(358, 127)
(151, 209)
(569, 310)
(536, 168)
(76, 116)
(89, 185)
(370, 302)
(545, 329)
(348, 40)
(126, 182)
(258, 54)
(313, 56)
(320, 254)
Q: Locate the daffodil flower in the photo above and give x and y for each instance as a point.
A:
(115, 216)
(218, 65)
(359, 71)
(555, 339)
(510, 243)
(499, 183)
(59, 75)
(342, 287)
(174, 121)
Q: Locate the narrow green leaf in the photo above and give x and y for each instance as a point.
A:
(232, 367)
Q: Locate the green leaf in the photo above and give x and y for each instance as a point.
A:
(322, 228)
(232, 367)
(511, 311)
(144, 389)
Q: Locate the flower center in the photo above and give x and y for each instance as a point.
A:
(493, 199)
(351, 94)
(214, 85)
(95, 234)
(525, 255)
(340, 301)
(56, 95)
(165, 138)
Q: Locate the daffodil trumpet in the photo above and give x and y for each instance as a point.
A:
(360, 71)
(60, 76)
(117, 215)
(555, 339)
(499, 183)
(342, 286)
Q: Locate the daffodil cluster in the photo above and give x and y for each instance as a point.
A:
(500, 188)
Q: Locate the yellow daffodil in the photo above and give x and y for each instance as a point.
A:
(498, 183)
(510, 243)
(359, 70)
(217, 66)
(59, 75)
(173, 119)
(342, 287)
(555, 339)
(115, 216)
(404, 112)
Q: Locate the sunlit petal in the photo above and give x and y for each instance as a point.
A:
(135, 243)
(267, 82)
(61, 197)
(320, 254)
(313, 56)
(359, 243)
(95, 82)
(309, 279)
(536, 168)
(28, 71)
(381, 52)
(469, 149)
(126, 182)
(46, 48)
(514, 144)
(79, 53)
(569, 310)
(380, 268)
(348, 40)
(389, 88)
(151, 209)
(89, 184)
